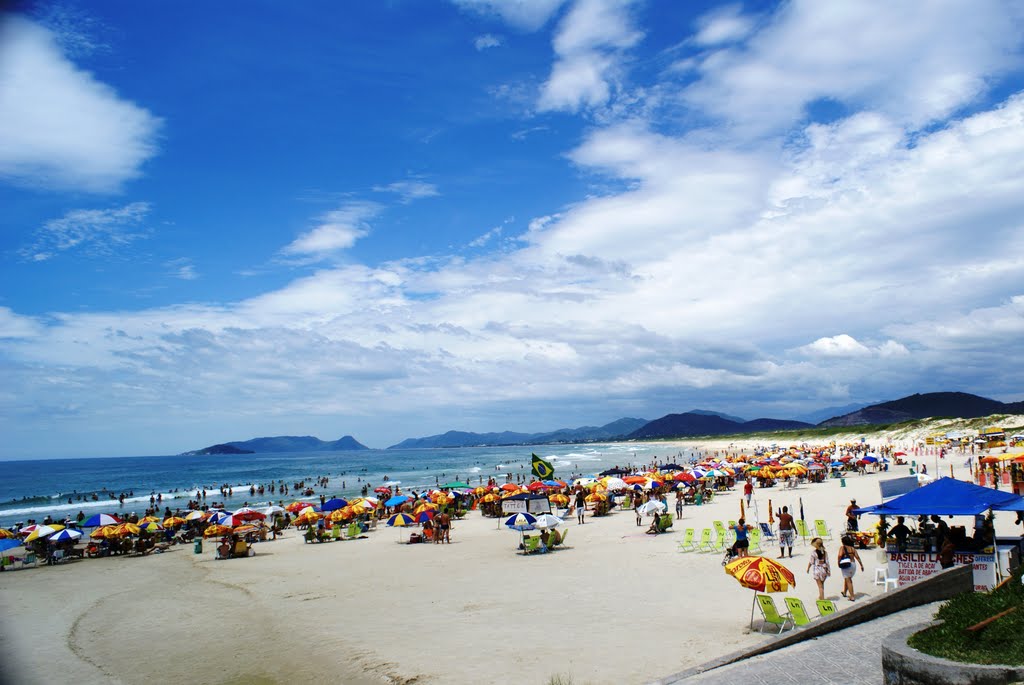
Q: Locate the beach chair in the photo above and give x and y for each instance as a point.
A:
(754, 540)
(30, 558)
(821, 530)
(664, 523)
(354, 530)
(533, 544)
(687, 543)
(801, 529)
(706, 542)
(721, 535)
(797, 612)
(561, 541)
(826, 607)
(767, 534)
(336, 532)
(771, 614)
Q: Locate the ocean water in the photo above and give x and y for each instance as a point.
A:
(33, 489)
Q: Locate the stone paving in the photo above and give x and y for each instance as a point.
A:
(846, 657)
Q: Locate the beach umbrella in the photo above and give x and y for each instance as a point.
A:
(9, 543)
(521, 521)
(101, 520)
(244, 529)
(613, 483)
(174, 522)
(244, 515)
(537, 485)
(151, 527)
(66, 535)
(333, 504)
(425, 516)
(215, 530)
(382, 490)
(396, 500)
(149, 519)
(274, 509)
(41, 532)
(196, 515)
(651, 508)
(7, 534)
(102, 532)
(548, 521)
(491, 497)
(296, 507)
(481, 490)
(558, 499)
(760, 574)
(596, 497)
(401, 521)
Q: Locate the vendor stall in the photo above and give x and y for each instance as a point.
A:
(921, 553)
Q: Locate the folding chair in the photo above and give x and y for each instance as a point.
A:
(826, 607)
(821, 530)
(801, 530)
(754, 540)
(766, 533)
(797, 612)
(686, 545)
(771, 613)
(705, 541)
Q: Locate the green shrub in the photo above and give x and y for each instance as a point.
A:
(998, 643)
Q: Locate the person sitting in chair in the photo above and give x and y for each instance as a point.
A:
(224, 549)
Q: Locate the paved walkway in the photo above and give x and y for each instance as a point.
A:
(846, 657)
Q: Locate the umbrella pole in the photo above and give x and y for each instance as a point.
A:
(752, 610)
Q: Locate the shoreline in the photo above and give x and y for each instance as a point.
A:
(375, 611)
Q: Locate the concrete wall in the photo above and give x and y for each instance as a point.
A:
(904, 665)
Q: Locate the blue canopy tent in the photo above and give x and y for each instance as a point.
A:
(947, 497)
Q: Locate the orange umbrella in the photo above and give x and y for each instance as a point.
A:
(174, 521)
(215, 530)
(124, 529)
(102, 532)
(149, 519)
(296, 506)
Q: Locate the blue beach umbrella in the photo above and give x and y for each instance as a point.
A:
(521, 521)
(8, 543)
(334, 504)
(396, 500)
(66, 535)
(101, 520)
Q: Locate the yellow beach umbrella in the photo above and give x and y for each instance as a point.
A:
(174, 521)
(102, 532)
(215, 530)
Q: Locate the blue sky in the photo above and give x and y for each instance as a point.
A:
(392, 219)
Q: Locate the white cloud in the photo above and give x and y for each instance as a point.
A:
(487, 40)
(182, 269)
(844, 345)
(16, 326)
(96, 232)
(409, 190)
(911, 64)
(723, 25)
(338, 230)
(61, 128)
(589, 44)
(526, 15)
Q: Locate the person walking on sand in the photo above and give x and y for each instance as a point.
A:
(748, 490)
(444, 528)
(851, 517)
(787, 532)
(847, 562)
(818, 565)
(581, 505)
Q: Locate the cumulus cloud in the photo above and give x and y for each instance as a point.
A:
(94, 232)
(588, 45)
(16, 326)
(846, 52)
(337, 230)
(61, 128)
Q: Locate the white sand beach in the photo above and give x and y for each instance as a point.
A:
(614, 606)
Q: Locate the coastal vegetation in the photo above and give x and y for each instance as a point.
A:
(979, 627)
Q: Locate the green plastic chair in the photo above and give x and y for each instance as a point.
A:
(821, 530)
(533, 544)
(705, 541)
(354, 530)
(797, 612)
(664, 523)
(801, 529)
(826, 607)
(565, 534)
(754, 540)
(687, 543)
(771, 614)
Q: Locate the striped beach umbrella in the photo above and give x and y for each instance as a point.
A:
(101, 520)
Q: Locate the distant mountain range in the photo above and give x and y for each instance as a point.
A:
(694, 423)
(959, 405)
(615, 429)
(282, 443)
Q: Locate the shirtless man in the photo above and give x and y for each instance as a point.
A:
(444, 527)
(787, 531)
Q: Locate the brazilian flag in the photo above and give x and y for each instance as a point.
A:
(542, 469)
